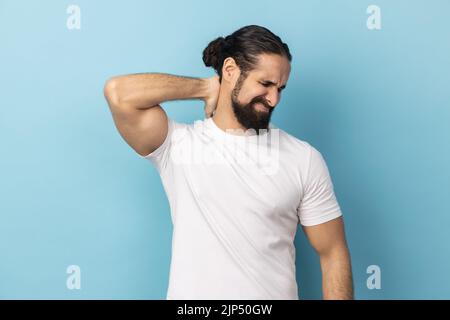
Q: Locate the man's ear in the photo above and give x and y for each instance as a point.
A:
(230, 71)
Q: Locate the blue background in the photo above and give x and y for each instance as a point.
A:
(374, 102)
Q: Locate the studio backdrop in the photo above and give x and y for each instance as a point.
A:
(83, 217)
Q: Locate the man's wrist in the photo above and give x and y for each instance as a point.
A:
(205, 88)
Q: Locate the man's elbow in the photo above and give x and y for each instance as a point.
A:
(334, 252)
(110, 91)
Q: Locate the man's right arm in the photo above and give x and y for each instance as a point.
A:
(134, 101)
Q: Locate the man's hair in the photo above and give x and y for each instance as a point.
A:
(244, 45)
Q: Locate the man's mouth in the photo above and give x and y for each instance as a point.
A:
(261, 107)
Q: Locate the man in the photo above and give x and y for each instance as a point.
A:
(235, 211)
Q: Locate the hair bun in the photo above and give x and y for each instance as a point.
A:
(212, 53)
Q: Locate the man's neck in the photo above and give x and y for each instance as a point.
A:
(224, 117)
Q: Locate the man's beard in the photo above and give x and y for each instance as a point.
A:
(247, 115)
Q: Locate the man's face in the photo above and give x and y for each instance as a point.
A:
(254, 97)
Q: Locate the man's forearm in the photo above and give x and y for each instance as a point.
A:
(145, 90)
(337, 283)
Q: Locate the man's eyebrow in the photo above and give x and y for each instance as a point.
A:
(274, 84)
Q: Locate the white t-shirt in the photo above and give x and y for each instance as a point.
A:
(236, 202)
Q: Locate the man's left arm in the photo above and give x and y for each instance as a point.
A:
(328, 240)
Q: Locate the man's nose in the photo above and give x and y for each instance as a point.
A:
(273, 97)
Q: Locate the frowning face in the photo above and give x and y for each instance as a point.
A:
(256, 94)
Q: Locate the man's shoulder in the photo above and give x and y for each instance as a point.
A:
(290, 140)
(180, 131)
(183, 125)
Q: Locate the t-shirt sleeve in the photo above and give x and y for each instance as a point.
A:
(160, 156)
(319, 203)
